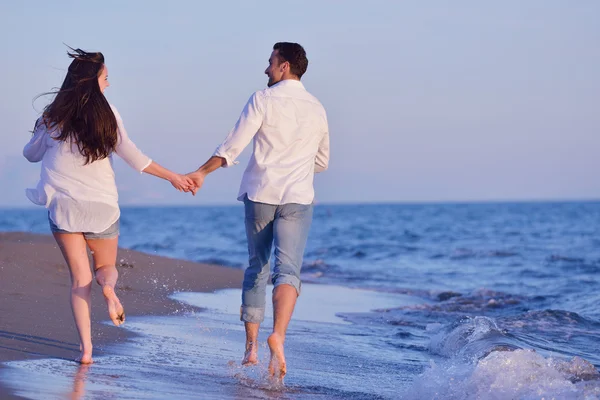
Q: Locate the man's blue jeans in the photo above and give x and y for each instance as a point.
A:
(285, 226)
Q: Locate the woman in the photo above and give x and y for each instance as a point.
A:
(75, 138)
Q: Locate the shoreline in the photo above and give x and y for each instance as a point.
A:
(36, 320)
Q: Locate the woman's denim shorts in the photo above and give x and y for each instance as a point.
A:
(110, 233)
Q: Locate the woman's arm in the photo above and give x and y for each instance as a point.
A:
(133, 156)
(36, 148)
(127, 150)
(179, 182)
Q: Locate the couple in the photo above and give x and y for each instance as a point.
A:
(79, 131)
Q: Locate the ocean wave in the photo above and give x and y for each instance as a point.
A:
(477, 302)
(580, 264)
(518, 374)
(470, 338)
(547, 326)
(380, 251)
(219, 261)
(483, 360)
(317, 265)
(544, 319)
(465, 253)
(559, 258)
(407, 235)
(152, 246)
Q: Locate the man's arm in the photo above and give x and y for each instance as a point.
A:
(213, 163)
(240, 136)
(322, 158)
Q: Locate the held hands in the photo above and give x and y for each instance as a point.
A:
(197, 177)
(191, 182)
(195, 180)
(182, 183)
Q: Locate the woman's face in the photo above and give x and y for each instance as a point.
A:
(103, 79)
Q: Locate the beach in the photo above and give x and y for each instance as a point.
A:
(35, 315)
(441, 301)
(182, 325)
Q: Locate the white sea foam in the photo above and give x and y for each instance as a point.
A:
(519, 374)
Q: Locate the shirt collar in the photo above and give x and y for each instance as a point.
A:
(289, 82)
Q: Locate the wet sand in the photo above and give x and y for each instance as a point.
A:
(35, 315)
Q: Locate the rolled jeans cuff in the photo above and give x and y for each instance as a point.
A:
(252, 314)
(288, 280)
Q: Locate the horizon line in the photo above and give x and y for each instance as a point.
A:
(353, 203)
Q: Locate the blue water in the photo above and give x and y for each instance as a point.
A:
(522, 277)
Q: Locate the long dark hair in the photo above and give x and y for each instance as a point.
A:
(80, 111)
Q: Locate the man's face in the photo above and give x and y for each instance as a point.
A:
(276, 69)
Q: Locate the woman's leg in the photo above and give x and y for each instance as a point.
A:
(74, 250)
(104, 252)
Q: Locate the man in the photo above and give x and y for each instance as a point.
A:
(288, 127)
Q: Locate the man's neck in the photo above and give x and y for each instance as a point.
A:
(289, 78)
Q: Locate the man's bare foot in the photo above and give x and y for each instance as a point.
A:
(115, 309)
(251, 354)
(277, 368)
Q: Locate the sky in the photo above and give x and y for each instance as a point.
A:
(427, 101)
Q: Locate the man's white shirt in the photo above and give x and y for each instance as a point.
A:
(290, 134)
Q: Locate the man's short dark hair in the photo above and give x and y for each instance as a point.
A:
(295, 55)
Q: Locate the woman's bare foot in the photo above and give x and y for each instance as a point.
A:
(85, 357)
(115, 309)
(251, 354)
(277, 368)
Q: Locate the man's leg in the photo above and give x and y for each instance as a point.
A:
(290, 232)
(259, 232)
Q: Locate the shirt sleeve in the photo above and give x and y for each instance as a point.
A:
(36, 148)
(322, 158)
(127, 150)
(244, 130)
